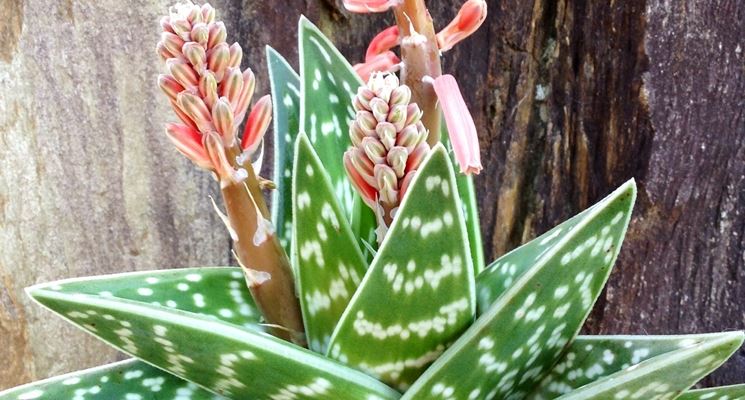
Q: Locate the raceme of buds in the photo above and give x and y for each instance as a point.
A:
(208, 91)
(461, 129)
(470, 17)
(388, 143)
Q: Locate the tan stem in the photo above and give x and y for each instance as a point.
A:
(421, 57)
(275, 297)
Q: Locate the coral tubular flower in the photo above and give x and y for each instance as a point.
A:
(460, 124)
(388, 144)
(385, 62)
(382, 42)
(370, 6)
(208, 91)
(470, 17)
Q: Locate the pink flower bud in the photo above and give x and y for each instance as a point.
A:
(363, 165)
(374, 150)
(367, 192)
(181, 27)
(217, 34)
(417, 156)
(470, 17)
(236, 55)
(219, 160)
(461, 129)
(208, 13)
(396, 158)
(247, 91)
(367, 121)
(163, 52)
(194, 107)
(165, 24)
(382, 42)
(208, 88)
(232, 84)
(406, 182)
(258, 122)
(401, 96)
(385, 62)
(397, 116)
(182, 72)
(171, 42)
(409, 137)
(200, 33)
(356, 134)
(222, 117)
(387, 183)
(217, 60)
(362, 100)
(413, 114)
(188, 141)
(379, 109)
(170, 86)
(182, 115)
(387, 133)
(194, 52)
(370, 6)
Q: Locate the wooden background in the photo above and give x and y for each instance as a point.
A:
(571, 98)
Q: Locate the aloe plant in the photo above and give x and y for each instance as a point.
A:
(411, 315)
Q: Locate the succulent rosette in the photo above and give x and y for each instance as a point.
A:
(365, 279)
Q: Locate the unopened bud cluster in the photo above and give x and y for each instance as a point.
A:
(389, 143)
(207, 89)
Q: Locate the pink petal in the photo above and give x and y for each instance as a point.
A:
(470, 17)
(258, 122)
(188, 141)
(369, 6)
(460, 125)
(384, 62)
(382, 42)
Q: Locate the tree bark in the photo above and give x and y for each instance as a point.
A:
(571, 98)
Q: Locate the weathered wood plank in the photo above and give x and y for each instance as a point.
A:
(571, 97)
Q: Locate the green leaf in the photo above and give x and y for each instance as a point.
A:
(522, 334)
(130, 379)
(665, 376)
(734, 392)
(226, 359)
(328, 85)
(327, 259)
(469, 208)
(215, 292)
(286, 108)
(590, 358)
(418, 294)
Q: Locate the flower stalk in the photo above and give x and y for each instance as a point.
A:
(211, 95)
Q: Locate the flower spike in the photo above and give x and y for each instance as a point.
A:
(470, 17)
(389, 144)
(460, 124)
(369, 6)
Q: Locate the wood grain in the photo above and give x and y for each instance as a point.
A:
(571, 98)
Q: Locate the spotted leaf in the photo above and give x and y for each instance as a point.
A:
(129, 380)
(663, 377)
(229, 360)
(470, 209)
(286, 107)
(516, 340)
(328, 84)
(215, 292)
(327, 259)
(418, 294)
(590, 358)
(734, 392)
